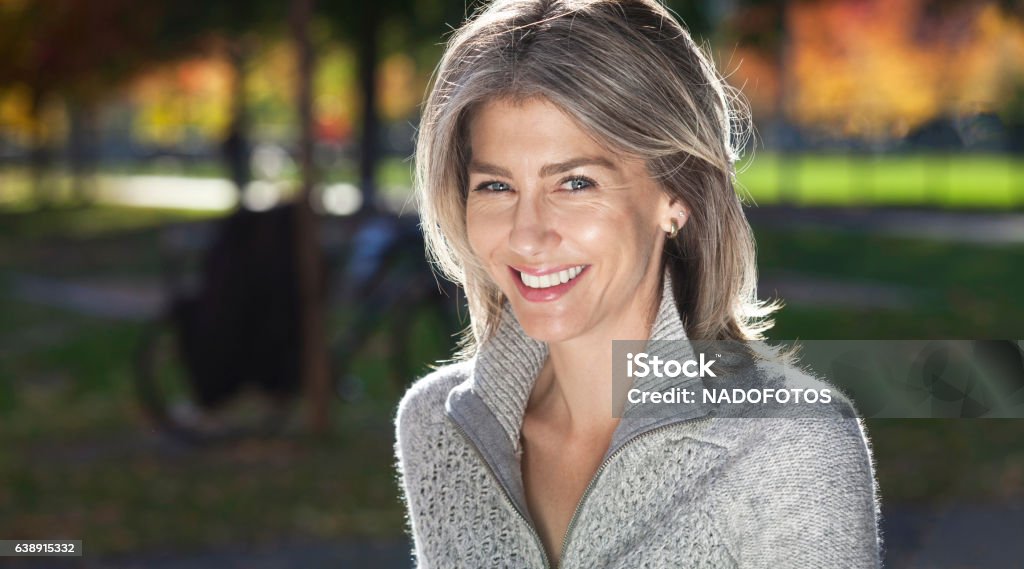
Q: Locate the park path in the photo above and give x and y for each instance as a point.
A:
(959, 536)
(388, 554)
(956, 536)
(110, 298)
(978, 227)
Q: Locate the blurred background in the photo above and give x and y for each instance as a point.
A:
(212, 290)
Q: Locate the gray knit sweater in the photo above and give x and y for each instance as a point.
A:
(690, 491)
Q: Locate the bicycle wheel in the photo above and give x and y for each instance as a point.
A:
(390, 339)
(168, 399)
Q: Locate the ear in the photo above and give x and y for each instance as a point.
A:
(672, 208)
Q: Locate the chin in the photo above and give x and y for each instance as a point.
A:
(547, 329)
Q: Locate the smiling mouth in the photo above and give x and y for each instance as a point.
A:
(552, 279)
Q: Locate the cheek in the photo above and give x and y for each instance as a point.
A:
(592, 221)
(646, 237)
(482, 230)
(607, 229)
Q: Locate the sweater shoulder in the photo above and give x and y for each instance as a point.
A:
(770, 387)
(815, 409)
(828, 401)
(423, 403)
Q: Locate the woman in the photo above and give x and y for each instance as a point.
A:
(574, 170)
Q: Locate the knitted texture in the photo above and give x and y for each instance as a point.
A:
(781, 492)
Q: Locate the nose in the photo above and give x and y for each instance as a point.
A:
(533, 232)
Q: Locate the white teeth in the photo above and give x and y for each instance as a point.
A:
(551, 279)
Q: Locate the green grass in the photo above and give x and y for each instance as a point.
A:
(81, 222)
(976, 181)
(935, 461)
(121, 494)
(961, 290)
(86, 241)
(80, 459)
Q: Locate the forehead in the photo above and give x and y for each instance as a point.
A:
(537, 124)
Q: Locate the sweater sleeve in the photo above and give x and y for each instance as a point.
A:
(807, 498)
(407, 465)
(422, 455)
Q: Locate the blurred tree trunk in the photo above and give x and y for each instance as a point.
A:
(763, 25)
(367, 45)
(40, 157)
(82, 148)
(236, 149)
(790, 189)
(315, 372)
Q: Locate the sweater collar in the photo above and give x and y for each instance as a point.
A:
(506, 367)
(488, 407)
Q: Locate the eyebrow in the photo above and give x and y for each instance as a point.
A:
(547, 169)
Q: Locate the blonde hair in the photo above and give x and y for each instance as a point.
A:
(631, 75)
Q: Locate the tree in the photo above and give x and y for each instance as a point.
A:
(315, 364)
(363, 25)
(74, 50)
(229, 26)
(79, 51)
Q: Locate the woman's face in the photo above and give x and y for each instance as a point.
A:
(548, 202)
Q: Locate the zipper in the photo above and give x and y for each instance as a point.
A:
(586, 491)
(600, 470)
(504, 492)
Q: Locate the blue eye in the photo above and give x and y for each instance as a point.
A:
(492, 187)
(579, 183)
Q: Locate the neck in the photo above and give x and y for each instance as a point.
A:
(574, 387)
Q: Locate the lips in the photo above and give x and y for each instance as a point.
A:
(545, 285)
(551, 279)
